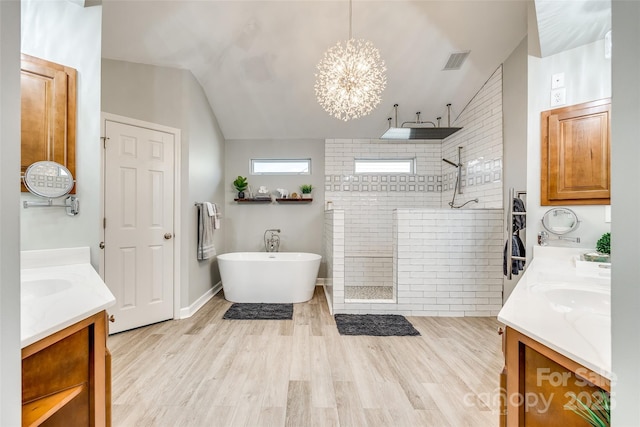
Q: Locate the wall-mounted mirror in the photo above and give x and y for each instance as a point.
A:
(50, 180)
(560, 221)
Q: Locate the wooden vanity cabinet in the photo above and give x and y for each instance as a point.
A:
(48, 113)
(575, 157)
(539, 382)
(65, 377)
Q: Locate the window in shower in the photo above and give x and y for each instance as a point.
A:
(395, 166)
(280, 166)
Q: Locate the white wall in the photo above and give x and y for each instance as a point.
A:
(206, 184)
(514, 112)
(625, 293)
(173, 97)
(449, 262)
(369, 200)
(10, 378)
(65, 33)
(333, 253)
(481, 154)
(587, 78)
(300, 224)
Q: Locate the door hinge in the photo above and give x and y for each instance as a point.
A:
(104, 222)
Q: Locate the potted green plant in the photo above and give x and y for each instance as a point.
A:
(240, 184)
(597, 412)
(306, 190)
(603, 250)
(604, 244)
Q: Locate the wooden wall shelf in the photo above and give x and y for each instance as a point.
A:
(294, 200)
(252, 200)
(269, 201)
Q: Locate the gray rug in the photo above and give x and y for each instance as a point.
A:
(245, 311)
(379, 325)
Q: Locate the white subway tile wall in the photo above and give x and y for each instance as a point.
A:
(333, 252)
(368, 271)
(450, 261)
(368, 201)
(481, 142)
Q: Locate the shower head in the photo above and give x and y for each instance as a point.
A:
(450, 162)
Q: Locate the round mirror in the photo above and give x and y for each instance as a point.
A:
(48, 179)
(560, 221)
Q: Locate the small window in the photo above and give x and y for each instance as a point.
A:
(385, 166)
(280, 166)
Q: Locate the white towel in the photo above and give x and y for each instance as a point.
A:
(206, 249)
(212, 208)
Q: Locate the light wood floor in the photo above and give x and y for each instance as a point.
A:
(206, 371)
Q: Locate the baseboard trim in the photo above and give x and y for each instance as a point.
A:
(187, 312)
(329, 302)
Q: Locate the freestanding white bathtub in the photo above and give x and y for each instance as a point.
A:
(268, 277)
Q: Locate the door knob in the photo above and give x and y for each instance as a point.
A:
(168, 236)
(112, 318)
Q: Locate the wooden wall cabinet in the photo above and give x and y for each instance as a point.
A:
(576, 160)
(539, 382)
(66, 377)
(48, 113)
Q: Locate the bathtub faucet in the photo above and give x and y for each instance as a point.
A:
(272, 241)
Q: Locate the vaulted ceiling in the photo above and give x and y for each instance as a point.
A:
(256, 59)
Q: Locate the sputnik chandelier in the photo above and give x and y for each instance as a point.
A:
(350, 78)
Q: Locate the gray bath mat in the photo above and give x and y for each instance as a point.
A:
(246, 311)
(380, 325)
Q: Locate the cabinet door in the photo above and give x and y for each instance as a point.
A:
(576, 155)
(48, 113)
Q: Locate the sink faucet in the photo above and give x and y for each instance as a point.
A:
(272, 242)
(543, 236)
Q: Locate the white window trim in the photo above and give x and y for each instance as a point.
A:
(412, 163)
(307, 160)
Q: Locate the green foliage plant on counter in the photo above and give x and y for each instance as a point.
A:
(597, 413)
(306, 188)
(604, 244)
(240, 183)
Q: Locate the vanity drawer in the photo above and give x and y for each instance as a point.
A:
(60, 366)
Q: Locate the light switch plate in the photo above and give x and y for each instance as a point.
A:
(607, 213)
(557, 81)
(558, 97)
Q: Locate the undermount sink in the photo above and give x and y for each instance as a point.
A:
(569, 299)
(37, 288)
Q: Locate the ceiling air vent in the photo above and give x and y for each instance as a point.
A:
(456, 60)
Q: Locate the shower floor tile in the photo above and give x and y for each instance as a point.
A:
(368, 292)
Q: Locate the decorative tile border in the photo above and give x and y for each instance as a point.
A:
(477, 172)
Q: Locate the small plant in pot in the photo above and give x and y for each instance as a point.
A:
(603, 250)
(306, 190)
(604, 244)
(240, 184)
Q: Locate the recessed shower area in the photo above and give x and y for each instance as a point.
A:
(424, 241)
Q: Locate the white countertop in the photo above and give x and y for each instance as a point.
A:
(59, 287)
(568, 313)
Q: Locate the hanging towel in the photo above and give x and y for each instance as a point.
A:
(517, 249)
(206, 249)
(519, 221)
(212, 210)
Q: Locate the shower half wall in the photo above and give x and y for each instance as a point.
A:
(444, 263)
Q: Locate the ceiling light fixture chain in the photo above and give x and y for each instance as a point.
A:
(350, 78)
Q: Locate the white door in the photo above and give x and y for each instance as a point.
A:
(139, 245)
